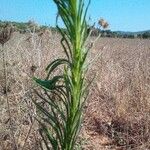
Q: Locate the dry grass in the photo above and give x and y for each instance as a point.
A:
(119, 103)
(118, 110)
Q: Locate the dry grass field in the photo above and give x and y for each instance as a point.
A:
(117, 113)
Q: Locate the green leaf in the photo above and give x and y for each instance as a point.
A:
(56, 63)
(48, 84)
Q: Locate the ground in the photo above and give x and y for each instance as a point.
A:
(117, 112)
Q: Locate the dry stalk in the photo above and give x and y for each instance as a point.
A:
(5, 35)
(27, 136)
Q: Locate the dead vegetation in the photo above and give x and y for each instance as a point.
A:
(117, 114)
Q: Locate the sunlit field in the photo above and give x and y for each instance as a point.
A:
(117, 112)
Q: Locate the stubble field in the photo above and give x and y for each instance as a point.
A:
(117, 112)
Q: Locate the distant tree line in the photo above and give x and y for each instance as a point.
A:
(144, 35)
(24, 27)
(115, 34)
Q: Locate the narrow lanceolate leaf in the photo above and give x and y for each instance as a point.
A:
(52, 140)
(51, 120)
(44, 139)
(51, 102)
(48, 84)
(55, 64)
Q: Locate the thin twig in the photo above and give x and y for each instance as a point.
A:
(27, 136)
(6, 93)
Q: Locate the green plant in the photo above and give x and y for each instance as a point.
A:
(62, 104)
